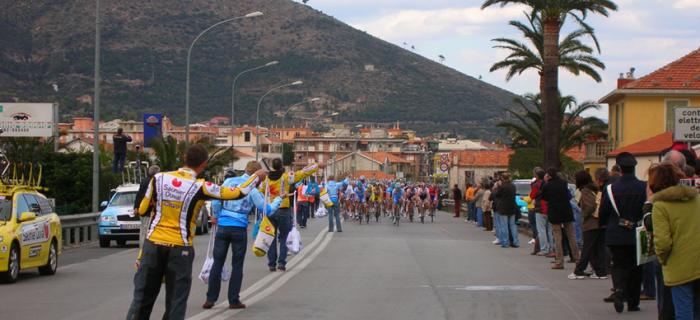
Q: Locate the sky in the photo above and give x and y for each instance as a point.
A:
(644, 34)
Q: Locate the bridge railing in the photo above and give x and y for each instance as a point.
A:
(79, 229)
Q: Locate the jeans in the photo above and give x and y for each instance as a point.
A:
(497, 224)
(174, 264)
(544, 233)
(593, 252)
(237, 239)
(508, 231)
(479, 217)
(664, 295)
(471, 210)
(648, 280)
(282, 220)
(626, 274)
(118, 162)
(686, 300)
(578, 227)
(303, 213)
(334, 213)
(561, 230)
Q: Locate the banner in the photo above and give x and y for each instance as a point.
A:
(27, 119)
(152, 128)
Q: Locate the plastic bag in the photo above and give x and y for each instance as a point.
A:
(321, 212)
(209, 262)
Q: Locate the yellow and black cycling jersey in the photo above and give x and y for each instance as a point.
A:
(177, 197)
(278, 180)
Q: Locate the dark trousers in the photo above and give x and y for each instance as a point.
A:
(174, 264)
(626, 274)
(664, 297)
(649, 280)
(488, 220)
(118, 162)
(303, 213)
(458, 207)
(471, 210)
(593, 252)
(237, 239)
(282, 220)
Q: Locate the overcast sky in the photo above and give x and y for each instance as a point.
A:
(645, 34)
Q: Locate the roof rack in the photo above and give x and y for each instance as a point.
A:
(135, 172)
(19, 175)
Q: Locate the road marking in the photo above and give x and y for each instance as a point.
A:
(223, 306)
(280, 282)
(488, 288)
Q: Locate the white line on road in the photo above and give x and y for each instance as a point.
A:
(280, 282)
(223, 306)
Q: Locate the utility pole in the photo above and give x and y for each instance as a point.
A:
(96, 117)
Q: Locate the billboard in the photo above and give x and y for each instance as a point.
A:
(152, 128)
(27, 119)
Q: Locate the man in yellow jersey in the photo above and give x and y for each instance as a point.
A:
(175, 197)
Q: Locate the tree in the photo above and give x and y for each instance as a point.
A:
(528, 126)
(169, 153)
(553, 13)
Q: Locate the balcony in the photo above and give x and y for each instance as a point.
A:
(596, 151)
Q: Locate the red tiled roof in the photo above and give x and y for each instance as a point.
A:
(651, 146)
(682, 74)
(240, 154)
(382, 156)
(576, 153)
(374, 174)
(484, 158)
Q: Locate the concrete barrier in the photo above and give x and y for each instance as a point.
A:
(79, 229)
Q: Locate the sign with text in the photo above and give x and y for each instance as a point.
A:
(152, 128)
(687, 124)
(26, 119)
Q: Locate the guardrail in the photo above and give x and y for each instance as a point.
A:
(79, 229)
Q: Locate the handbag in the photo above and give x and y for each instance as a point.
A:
(263, 241)
(294, 237)
(209, 262)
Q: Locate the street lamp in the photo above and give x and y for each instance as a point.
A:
(189, 55)
(257, 114)
(284, 115)
(96, 116)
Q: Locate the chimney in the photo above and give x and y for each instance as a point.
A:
(625, 79)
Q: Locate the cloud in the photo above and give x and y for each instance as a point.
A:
(414, 25)
(686, 4)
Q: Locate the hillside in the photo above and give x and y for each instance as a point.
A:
(144, 48)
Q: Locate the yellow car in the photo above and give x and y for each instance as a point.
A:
(30, 232)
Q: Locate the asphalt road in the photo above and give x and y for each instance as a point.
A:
(445, 270)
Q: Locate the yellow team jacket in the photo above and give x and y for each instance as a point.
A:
(284, 181)
(177, 197)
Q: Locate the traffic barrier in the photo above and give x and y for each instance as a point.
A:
(79, 229)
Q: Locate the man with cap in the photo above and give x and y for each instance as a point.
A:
(620, 210)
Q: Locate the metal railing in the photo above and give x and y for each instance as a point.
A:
(79, 229)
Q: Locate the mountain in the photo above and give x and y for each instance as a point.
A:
(144, 49)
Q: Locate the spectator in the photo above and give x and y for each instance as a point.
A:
(471, 208)
(506, 211)
(120, 140)
(457, 196)
(478, 204)
(593, 238)
(486, 206)
(676, 223)
(620, 211)
(544, 229)
(556, 192)
(303, 203)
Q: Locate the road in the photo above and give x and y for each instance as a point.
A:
(445, 270)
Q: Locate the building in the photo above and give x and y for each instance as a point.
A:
(472, 166)
(643, 108)
(442, 158)
(648, 152)
(372, 165)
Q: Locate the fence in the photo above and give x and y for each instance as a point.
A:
(79, 229)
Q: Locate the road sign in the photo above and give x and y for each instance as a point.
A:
(687, 124)
(27, 119)
(152, 127)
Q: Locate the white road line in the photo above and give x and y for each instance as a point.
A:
(280, 282)
(223, 306)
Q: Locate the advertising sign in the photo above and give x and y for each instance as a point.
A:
(152, 127)
(26, 119)
(442, 164)
(687, 125)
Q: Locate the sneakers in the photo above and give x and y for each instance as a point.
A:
(574, 276)
(531, 242)
(282, 268)
(597, 277)
(617, 302)
(496, 242)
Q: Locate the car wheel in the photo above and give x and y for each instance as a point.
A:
(104, 243)
(12, 273)
(52, 262)
(121, 243)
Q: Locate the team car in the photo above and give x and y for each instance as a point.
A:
(118, 221)
(30, 232)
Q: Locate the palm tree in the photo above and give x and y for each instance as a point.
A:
(528, 126)
(553, 13)
(169, 153)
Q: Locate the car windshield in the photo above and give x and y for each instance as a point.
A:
(123, 199)
(5, 209)
(522, 189)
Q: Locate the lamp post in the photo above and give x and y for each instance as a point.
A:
(284, 115)
(257, 114)
(96, 117)
(189, 55)
(233, 92)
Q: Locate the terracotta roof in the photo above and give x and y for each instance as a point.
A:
(652, 146)
(240, 154)
(576, 153)
(682, 74)
(381, 157)
(374, 174)
(484, 158)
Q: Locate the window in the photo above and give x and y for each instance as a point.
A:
(45, 205)
(671, 106)
(5, 209)
(22, 205)
(469, 177)
(123, 199)
(619, 110)
(246, 136)
(32, 204)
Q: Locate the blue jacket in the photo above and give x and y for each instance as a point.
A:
(630, 195)
(234, 213)
(333, 187)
